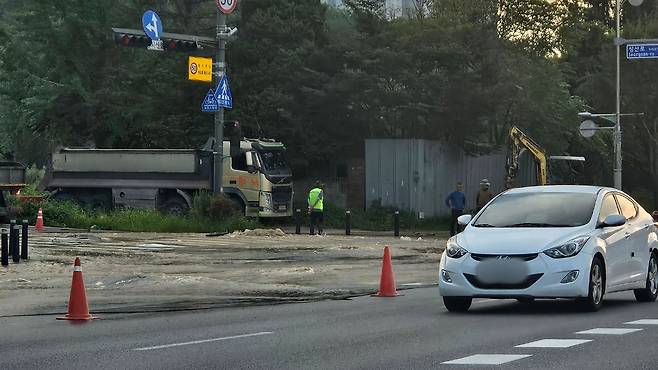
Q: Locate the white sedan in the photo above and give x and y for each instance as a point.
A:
(576, 242)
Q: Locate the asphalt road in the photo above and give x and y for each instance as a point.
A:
(413, 331)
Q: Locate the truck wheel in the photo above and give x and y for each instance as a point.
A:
(175, 207)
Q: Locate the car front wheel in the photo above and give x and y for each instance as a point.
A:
(649, 293)
(594, 299)
(457, 304)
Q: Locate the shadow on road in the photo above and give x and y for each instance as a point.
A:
(542, 307)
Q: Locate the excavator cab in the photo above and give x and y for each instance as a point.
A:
(563, 169)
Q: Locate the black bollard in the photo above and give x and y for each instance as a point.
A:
(298, 221)
(12, 223)
(24, 254)
(4, 252)
(348, 223)
(396, 223)
(15, 248)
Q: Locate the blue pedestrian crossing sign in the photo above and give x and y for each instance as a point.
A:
(210, 103)
(223, 94)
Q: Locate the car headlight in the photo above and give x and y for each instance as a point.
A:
(568, 249)
(453, 250)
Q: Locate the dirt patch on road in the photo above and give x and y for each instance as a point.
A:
(148, 271)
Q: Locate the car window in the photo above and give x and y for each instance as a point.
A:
(627, 206)
(538, 209)
(608, 207)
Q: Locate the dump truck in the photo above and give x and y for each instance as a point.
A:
(256, 175)
(12, 180)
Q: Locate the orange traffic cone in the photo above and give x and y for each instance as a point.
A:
(387, 281)
(39, 225)
(78, 308)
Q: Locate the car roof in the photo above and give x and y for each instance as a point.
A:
(585, 189)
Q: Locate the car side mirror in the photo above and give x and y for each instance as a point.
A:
(463, 220)
(613, 220)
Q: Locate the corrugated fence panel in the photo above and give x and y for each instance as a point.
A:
(418, 175)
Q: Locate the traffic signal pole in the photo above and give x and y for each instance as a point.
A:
(218, 182)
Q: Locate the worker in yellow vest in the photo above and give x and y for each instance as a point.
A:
(316, 207)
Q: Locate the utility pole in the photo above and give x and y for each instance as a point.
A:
(617, 135)
(218, 182)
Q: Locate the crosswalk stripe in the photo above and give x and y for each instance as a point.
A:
(608, 331)
(554, 343)
(490, 359)
(644, 322)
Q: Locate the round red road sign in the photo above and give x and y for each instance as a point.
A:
(227, 6)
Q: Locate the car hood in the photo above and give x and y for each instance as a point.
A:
(516, 240)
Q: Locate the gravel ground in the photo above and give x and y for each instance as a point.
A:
(134, 272)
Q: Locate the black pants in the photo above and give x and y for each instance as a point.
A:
(454, 225)
(317, 218)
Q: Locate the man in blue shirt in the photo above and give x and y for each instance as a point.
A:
(457, 202)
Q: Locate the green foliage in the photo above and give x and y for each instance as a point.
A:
(206, 205)
(66, 214)
(377, 218)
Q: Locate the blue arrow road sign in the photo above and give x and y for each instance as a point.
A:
(210, 103)
(641, 51)
(223, 94)
(152, 25)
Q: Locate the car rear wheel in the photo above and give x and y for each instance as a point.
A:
(649, 293)
(594, 299)
(457, 304)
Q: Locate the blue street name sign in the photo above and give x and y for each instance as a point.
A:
(223, 94)
(641, 51)
(210, 103)
(152, 25)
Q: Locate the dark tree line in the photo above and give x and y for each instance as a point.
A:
(322, 79)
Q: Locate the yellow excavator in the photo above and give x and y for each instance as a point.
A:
(519, 143)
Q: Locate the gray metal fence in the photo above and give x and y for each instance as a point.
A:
(418, 175)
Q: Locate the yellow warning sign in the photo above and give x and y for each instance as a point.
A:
(199, 69)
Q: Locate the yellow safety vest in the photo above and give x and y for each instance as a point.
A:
(316, 196)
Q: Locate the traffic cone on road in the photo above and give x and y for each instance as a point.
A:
(387, 281)
(39, 225)
(78, 308)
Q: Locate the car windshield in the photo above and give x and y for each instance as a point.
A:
(538, 210)
(274, 162)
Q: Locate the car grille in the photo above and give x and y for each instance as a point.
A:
(522, 257)
(531, 279)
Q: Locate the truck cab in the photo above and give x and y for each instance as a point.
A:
(260, 177)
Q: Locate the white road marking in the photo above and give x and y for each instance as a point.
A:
(413, 284)
(644, 322)
(608, 331)
(486, 301)
(486, 359)
(554, 343)
(202, 341)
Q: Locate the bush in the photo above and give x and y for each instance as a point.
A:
(68, 214)
(206, 205)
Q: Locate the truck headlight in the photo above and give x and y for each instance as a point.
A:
(266, 199)
(453, 250)
(568, 249)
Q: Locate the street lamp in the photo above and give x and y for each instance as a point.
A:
(618, 43)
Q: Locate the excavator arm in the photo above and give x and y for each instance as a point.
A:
(520, 142)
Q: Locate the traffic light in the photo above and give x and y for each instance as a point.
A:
(131, 40)
(170, 42)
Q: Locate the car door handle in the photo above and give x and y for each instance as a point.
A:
(627, 235)
(647, 226)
